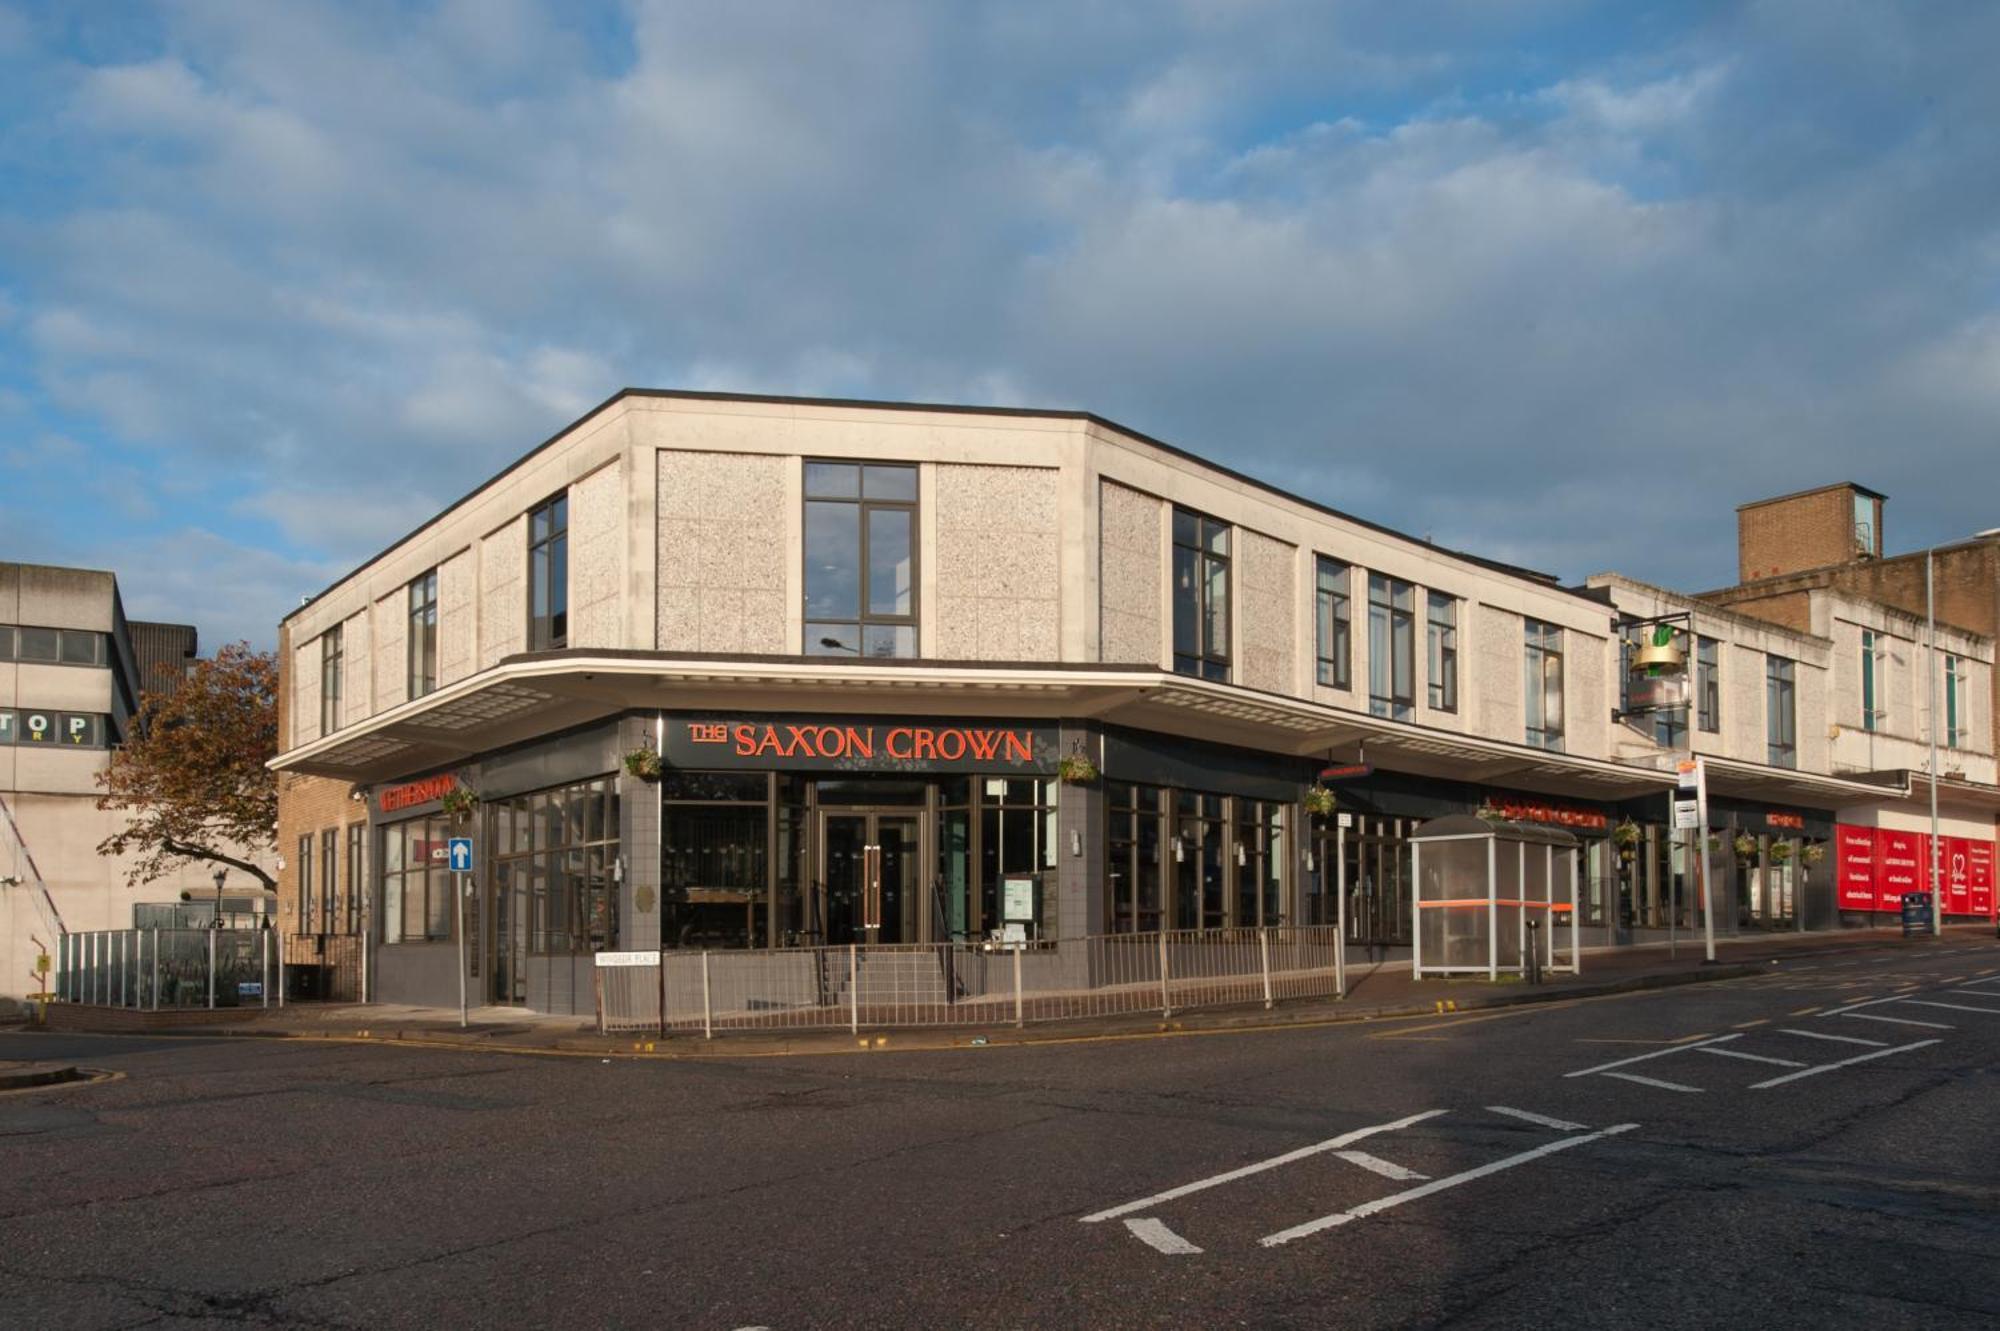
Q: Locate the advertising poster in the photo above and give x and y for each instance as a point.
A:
(1854, 866)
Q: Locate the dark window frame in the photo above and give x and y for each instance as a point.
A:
(1441, 651)
(1399, 625)
(1333, 622)
(1708, 684)
(1781, 711)
(332, 667)
(357, 880)
(329, 877)
(421, 632)
(305, 862)
(814, 641)
(548, 568)
(1208, 544)
(1542, 662)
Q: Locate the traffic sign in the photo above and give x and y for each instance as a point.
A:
(461, 854)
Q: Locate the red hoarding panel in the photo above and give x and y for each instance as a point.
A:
(1979, 878)
(1854, 866)
(1899, 866)
(1955, 867)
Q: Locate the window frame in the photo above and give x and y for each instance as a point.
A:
(1441, 651)
(1708, 684)
(1871, 680)
(1400, 646)
(1543, 658)
(1333, 623)
(1954, 682)
(865, 507)
(1210, 659)
(357, 881)
(305, 862)
(329, 877)
(421, 635)
(548, 553)
(332, 669)
(1781, 723)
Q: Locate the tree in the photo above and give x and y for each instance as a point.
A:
(192, 775)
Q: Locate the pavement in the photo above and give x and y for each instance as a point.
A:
(1810, 1144)
(1376, 992)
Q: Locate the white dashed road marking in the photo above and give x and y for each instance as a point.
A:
(1822, 1035)
(1843, 1063)
(1375, 1164)
(1156, 1235)
(1955, 1007)
(1658, 1053)
(1895, 1021)
(1304, 1152)
(1754, 1058)
(1559, 1124)
(1436, 1186)
(1653, 1081)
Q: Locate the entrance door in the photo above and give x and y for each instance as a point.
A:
(508, 986)
(869, 866)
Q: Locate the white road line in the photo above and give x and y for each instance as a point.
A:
(1983, 993)
(1304, 1152)
(1821, 1035)
(1158, 1237)
(1559, 1124)
(1954, 1007)
(1376, 1164)
(1755, 1058)
(1896, 1021)
(1856, 1007)
(1844, 1063)
(1438, 1185)
(1657, 1053)
(1655, 1081)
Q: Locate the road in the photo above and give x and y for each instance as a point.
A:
(1820, 1146)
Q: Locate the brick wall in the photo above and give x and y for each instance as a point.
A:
(1812, 530)
(307, 805)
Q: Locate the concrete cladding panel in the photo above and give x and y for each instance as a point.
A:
(357, 683)
(1130, 575)
(996, 563)
(1498, 666)
(455, 618)
(503, 592)
(305, 691)
(722, 552)
(392, 665)
(1264, 573)
(597, 559)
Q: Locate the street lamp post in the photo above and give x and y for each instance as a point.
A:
(220, 875)
(1930, 633)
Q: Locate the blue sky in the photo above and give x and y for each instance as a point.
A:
(1554, 282)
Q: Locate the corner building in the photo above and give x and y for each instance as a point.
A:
(863, 640)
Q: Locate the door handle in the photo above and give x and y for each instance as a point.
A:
(871, 873)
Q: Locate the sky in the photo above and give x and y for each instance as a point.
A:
(1556, 283)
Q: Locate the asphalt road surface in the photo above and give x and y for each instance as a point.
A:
(1818, 1147)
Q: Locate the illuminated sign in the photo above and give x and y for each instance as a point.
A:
(1346, 772)
(845, 744)
(1795, 821)
(1515, 809)
(413, 793)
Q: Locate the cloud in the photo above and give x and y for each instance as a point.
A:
(1545, 287)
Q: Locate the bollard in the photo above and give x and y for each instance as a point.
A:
(707, 1001)
(1019, 1020)
(1264, 950)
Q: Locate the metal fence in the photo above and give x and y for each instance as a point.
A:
(152, 969)
(961, 984)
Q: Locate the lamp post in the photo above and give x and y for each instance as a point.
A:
(220, 875)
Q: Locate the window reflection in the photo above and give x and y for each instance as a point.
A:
(860, 559)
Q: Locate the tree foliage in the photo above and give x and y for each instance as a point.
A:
(191, 777)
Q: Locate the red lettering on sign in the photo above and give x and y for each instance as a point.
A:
(416, 792)
(1561, 815)
(951, 745)
(1794, 821)
(926, 746)
(983, 743)
(1018, 748)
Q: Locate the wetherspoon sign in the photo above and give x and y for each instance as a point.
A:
(848, 744)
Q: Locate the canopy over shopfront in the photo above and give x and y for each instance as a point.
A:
(1492, 896)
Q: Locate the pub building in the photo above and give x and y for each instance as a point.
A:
(709, 671)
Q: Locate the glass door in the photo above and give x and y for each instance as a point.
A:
(869, 869)
(507, 984)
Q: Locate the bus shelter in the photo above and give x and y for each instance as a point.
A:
(1492, 897)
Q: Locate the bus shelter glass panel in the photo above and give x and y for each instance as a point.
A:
(1493, 895)
(1451, 903)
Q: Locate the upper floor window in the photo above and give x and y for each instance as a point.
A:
(1201, 596)
(423, 634)
(548, 575)
(1392, 647)
(1867, 540)
(329, 680)
(1781, 711)
(1954, 688)
(1871, 683)
(64, 646)
(1441, 623)
(1544, 684)
(1333, 626)
(861, 559)
(31, 725)
(1708, 684)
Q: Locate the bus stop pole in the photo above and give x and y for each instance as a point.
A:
(464, 1012)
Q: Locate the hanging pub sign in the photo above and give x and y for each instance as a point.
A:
(859, 744)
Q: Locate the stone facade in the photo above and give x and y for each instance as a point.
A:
(597, 560)
(503, 592)
(998, 584)
(1264, 574)
(722, 548)
(456, 618)
(392, 660)
(1131, 576)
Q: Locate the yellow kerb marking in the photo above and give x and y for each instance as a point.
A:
(1746, 1025)
(1689, 1039)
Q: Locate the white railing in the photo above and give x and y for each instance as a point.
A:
(154, 969)
(960, 984)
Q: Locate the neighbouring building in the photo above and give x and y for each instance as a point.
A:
(71, 671)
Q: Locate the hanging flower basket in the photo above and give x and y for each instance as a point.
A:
(1320, 801)
(1745, 846)
(1076, 769)
(644, 764)
(1626, 834)
(1813, 854)
(1780, 851)
(459, 803)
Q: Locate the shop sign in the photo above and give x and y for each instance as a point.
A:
(1875, 866)
(1346, 772)
(848, 745)
(1794, 821)
(1518, 810)
(412, 793)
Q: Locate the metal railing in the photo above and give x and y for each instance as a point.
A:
(965, 984)
(152, 969)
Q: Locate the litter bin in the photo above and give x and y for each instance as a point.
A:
(1916, 914)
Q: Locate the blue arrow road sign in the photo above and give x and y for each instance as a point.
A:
(461, 854)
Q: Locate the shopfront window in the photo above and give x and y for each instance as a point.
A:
(714, 859)
(1781, 721)
(1133, 885)
(860, 559)
(1261, 849)
(955, 870)
(555, 871)
(1708, 684)
(416, 883)
(1017, 836)
(1544, 684)
(1201, 596)
(1333, 624)
(1200, 886)
(1392, 665)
